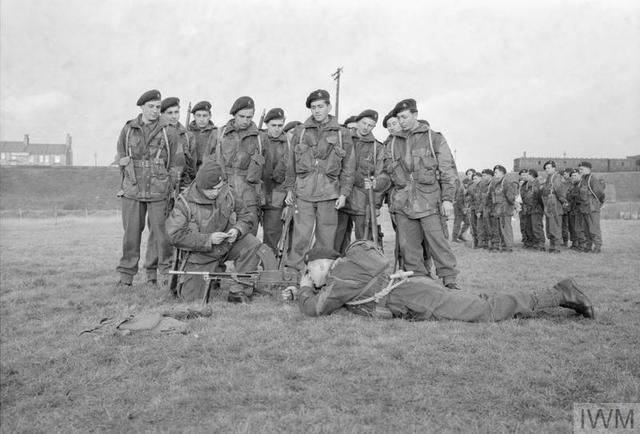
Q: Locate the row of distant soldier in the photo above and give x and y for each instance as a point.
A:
(569, 200)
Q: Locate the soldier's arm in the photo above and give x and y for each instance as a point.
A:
(182, 235)
(383, 180)
(279, 173)
(511, 191)
(447, 167)
(290, 177)
(560, 190)
(245, 220)
(121, 146)
(314, 302)
(176, 157)
(348, 165)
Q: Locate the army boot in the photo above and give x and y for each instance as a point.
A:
(573, 298)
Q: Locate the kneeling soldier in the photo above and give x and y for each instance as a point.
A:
(213, 226)
(358, 282)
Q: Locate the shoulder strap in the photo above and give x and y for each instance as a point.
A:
(433, 152)
(259, 144)
(166, 144)
(186, 205)
(288, 142)
(219, 151)
(302, 135)
(393, 147)
(126, 142)
(591, 189)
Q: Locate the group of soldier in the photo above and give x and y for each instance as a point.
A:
(204, 190)
(569, 200)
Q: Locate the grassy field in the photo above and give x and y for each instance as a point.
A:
(262, 367)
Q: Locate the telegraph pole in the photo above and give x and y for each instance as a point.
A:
(336, 76)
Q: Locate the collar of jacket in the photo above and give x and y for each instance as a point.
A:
(156, 126)
(331, 124)
(230, 127)
(193, 194)
(369, 138)
(281, 138)
(194, 127)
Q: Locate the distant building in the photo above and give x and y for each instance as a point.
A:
(629, 164)
(25, 153)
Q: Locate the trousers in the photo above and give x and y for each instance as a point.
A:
(319, 219)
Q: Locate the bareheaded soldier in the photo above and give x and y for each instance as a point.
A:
(276, 153)
(555, 202)
(319, 177)
(369, 173)
(239, 150)
(591, 200)
(204, 131)
(423, 173)
(170, 112)
(150, 163)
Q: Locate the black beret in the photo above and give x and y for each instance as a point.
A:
(405, 104)
(487, 172)
(244, 102)
(202, 105)
(291, 125)
(372, 114)
(169, 102)
(585, 164)
(320, 253)
(150, 95)
(533, 172)
(209, 175)
(274, 113)
(316, 95)
(553, 164)
(348, 120)
(500, 168)
(389, 115)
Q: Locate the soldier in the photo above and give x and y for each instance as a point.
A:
(319, 177)
(204, 131)
(369, 173)
(575, 217)
(276, 146)
(390, 122)
(350, 123)
(356, 283)
(461, 209)
(240, 152)
(502, 193)
(150, 163)
(423, 173)
(525, 230)
(533, 209)
(485, 234)
(591, 200)
(290, 126)
(555, 203)
(170, 112)
(474, 207)
(567, 230)
(212, 224)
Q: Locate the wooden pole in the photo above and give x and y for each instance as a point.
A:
(336, 76)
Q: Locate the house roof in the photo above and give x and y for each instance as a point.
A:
(34, 148)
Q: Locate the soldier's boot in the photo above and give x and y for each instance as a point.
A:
(552, 248)
(573, 298)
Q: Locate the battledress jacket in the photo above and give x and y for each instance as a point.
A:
(195, 217)
(154, 157)
(422, 171)
(502, 196)
(531, 197)
(554, 195)
(241, 154)
(591, 194)
(187, 143)
(367, 165)
(319, 168)
(205, 140)
(472, 196)
(276, 155)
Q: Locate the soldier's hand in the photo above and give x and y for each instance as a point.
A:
(218, 237)
(232, 235)
(290, 293)
(305, 280)
(447, 208)
(340, 201)
(289, 200)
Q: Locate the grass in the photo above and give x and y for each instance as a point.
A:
(263, 367)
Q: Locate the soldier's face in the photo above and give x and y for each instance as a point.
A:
(575, 177)
(318, 271)
(407, 120)
(202, 118)
(242, 118)
(364, 126)
(523, 176)
(171, 115)
(274, 127)
(549, 169)
(212, 193)
(584, 170)
(320, 110)
(486, 177)
(498, 174)
(150, 110)
(393, 126)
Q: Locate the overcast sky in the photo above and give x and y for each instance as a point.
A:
(497, 78)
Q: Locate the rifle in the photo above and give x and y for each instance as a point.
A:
(264, 281)
(264, 112)
(283, 242)
(188, 116)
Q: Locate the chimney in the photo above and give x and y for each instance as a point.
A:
(68, 139)
(26, 140)
(525, 154)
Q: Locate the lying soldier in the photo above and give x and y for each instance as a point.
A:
(359, 282)
(213, 226)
